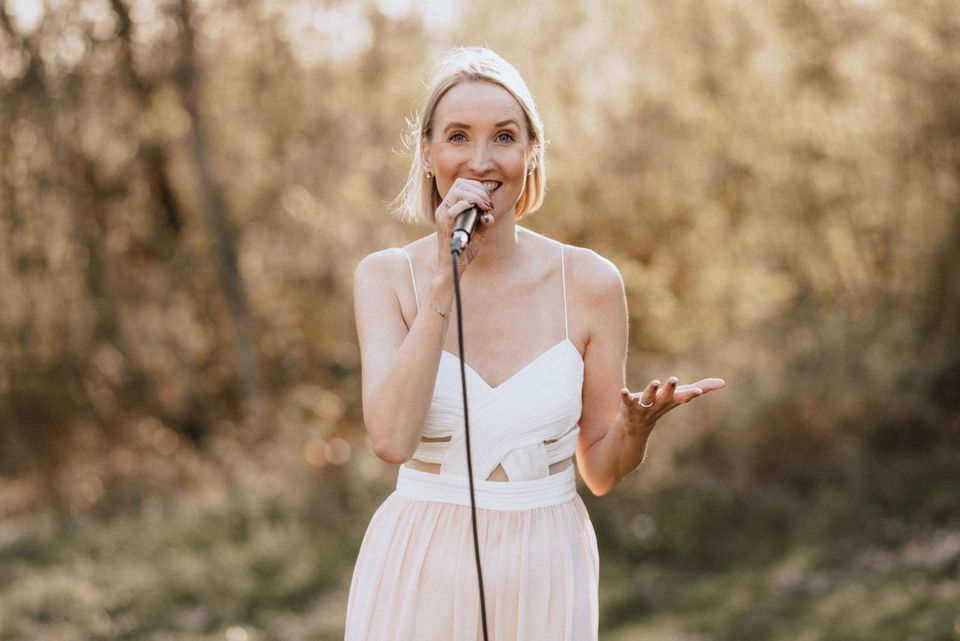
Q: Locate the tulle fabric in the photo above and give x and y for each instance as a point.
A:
(416, 579)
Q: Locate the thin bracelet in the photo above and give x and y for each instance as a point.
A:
(446, 315)
(446, 319)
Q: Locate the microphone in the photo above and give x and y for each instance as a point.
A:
(463, 228)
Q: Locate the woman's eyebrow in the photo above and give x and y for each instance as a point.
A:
(461, 125)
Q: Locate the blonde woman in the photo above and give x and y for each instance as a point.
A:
(546, 337)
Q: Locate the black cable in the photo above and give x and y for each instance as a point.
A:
(466, 432)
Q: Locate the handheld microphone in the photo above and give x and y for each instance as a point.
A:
(463, 228)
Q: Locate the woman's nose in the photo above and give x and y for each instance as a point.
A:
(480, 158)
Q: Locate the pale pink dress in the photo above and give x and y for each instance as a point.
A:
(415, 578)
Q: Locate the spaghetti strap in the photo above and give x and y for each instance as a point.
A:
(413, 279)
(563, 276)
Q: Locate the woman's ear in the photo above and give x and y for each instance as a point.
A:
(425, 156)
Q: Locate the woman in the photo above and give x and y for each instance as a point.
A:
(546, 336)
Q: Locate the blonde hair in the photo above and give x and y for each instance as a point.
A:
(419, 198)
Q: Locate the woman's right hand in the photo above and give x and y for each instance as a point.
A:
(463, 194)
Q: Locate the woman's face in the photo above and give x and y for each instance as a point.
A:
(480, 133)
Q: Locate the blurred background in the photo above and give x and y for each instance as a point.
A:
(186, 187)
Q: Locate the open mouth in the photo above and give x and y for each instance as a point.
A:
(491, 185)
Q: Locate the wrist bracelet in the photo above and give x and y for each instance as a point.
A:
(445, 315)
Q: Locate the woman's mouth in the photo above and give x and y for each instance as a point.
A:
(491, 185)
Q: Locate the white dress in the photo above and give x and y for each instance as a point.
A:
(415, 578)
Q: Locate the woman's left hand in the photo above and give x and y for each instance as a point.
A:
(643, 410)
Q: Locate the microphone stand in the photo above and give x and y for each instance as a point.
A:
(456, 247)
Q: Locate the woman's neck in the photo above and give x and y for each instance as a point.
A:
(501, 248)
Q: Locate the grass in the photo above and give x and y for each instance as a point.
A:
(184, 576)
(873, 552)
(868, 551)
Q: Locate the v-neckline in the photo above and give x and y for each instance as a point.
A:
(519, 371)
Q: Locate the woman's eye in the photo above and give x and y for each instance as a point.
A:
(457, 137)
(504, 136)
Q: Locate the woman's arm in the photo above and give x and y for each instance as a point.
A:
(614, 426)
(399, 366)
(606, 452)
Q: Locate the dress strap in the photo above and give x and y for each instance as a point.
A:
(563, 276)
(413, 279)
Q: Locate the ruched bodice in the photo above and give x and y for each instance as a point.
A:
(525, 424)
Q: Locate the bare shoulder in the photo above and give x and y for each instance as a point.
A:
(594, 277)
(379, 265)
(390, 263)
(596, 295)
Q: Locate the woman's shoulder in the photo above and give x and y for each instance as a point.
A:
(392, 260)
(585, 268)
(591, 273)
(379, 263)
(588, 275)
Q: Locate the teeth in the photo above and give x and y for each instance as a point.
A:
(490, 186)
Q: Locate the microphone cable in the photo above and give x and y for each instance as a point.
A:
(455, 254)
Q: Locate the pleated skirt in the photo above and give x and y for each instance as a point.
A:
(416, 579)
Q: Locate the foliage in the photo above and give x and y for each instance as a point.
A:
(186, 187)
(189, 575)
(869, 551)
(179, 237)
(835, 554)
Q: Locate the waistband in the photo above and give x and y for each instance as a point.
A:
(511, 496)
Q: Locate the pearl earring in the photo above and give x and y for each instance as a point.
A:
(429, 175)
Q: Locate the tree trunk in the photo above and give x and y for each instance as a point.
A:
(257, 408)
